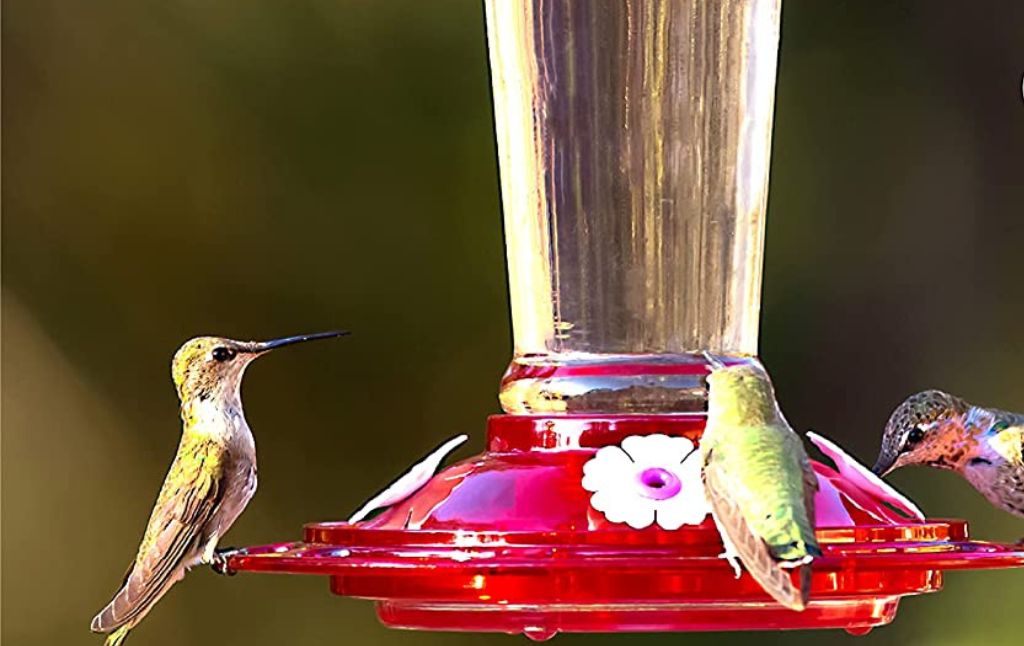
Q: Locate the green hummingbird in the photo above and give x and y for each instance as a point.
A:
(759, 482)
(984, 445)
(210, 481)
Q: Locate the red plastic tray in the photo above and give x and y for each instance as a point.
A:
(507, 541)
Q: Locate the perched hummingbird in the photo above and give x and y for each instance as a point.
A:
(759, 482)
(984, 445)
(210, 482)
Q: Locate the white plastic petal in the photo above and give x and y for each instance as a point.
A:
(609, 465)
(859, 475)
(657, 449)
(688, 508)
(610, 500)
(691, 506)
(637, 516)
(690, 468)
(410, 482)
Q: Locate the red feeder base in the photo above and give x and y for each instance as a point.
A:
(507, 541)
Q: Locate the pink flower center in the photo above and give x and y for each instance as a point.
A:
(658, 484)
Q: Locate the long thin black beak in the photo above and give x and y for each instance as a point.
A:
(882, 466)
(265, 346)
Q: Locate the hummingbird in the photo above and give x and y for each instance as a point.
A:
(984, 445)
(210, 482)
(759, 482)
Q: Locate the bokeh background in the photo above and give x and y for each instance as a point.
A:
(255, 168)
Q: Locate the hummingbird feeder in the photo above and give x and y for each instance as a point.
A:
(633, 141)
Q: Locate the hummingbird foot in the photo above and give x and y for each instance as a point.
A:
(734, 561)
(219, 562)
(730, 553)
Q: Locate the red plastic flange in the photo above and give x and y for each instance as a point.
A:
(507, 541)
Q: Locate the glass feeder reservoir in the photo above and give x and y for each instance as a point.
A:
(634, 146)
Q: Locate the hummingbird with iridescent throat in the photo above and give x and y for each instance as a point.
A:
(759, 483)
(210, 482)
(984, 445)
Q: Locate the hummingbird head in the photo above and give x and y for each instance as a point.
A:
(922, 430)
(741, 394)
(212, 366)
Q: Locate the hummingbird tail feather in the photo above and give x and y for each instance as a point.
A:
(754, 553)
(175, 536)
(115, 638)
(143, 588)
(124, 607)
(805, 583)
(795, 563)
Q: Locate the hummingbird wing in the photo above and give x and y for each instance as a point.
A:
(189, 498)
(751, 549)
(810, 482)
(744, 478)
(1006, 484)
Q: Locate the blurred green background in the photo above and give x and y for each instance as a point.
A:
(256, 168)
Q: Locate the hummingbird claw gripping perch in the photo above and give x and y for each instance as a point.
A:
(221, 560)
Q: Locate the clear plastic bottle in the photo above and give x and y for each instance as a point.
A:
(634, 143)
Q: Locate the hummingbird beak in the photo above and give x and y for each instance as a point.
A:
(883, 466)
(259, 347)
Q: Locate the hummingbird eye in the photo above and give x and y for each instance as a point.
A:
(915, 435)
(223, 354)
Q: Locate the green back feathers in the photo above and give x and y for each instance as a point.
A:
(742, 395)
(759, 482)
(768, 472)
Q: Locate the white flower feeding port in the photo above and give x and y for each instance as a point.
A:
(648, 479)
